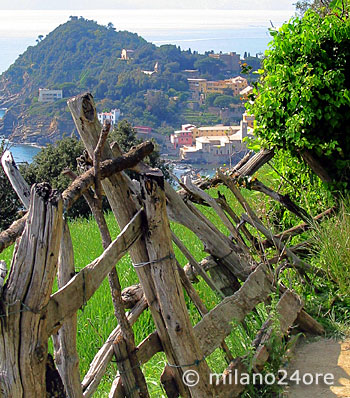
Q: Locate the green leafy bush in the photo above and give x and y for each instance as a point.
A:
(48, 165)
(126, 137)
(302, 101)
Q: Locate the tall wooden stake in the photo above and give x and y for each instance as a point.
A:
(24, 341)
(123, 206)
(185, 353)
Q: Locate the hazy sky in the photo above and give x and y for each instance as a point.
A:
(200, 24)
(130, 4)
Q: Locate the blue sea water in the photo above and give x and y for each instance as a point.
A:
(22, 153)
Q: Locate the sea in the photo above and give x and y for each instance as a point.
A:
(22, 153)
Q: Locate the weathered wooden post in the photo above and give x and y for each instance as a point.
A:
(124, 208)
(24, 338)
(66, 356)
(65, 341)
(185, 352)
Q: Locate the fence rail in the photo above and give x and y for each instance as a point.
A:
(237, 270)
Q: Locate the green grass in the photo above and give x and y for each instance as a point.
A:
(332, 238)
(96, 320)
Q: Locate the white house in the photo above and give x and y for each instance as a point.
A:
(46, 95)
(113, 116)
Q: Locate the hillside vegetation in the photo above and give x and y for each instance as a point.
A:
(81, 55)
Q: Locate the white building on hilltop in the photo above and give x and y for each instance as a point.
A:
(113, 116)
(47, 95)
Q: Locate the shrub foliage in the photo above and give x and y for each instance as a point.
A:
(302, 100)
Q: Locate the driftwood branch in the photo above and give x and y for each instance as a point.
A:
(66, 356)
(119, 195)
(213, 204)
(104, 356)
(217, 325)
(180, 345)
(3, 273)
(221, 200)
(108, 168)
(316, 166)
(300, 265)
(150, 346)
(9, 236)
(80, 185)
(299, 229)
(214, 241)
(25, 297)
(195, 265)
(202, 309)
(287, 309)
(285, 200)
(245, 168)
(132, 295)
(18, 183)
(124, 348)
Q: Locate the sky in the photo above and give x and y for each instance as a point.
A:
(30, 18)
(145, 4)
(198, 24)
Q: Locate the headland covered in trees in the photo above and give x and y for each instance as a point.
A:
(81, 55)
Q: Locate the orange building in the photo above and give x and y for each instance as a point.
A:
(203, 86)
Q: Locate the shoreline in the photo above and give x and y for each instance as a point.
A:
(32, 144)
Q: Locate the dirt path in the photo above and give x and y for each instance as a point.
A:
(322, 357)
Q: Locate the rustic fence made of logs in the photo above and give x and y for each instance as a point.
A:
(236, 268)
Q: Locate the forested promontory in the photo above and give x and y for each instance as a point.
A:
(81, 55)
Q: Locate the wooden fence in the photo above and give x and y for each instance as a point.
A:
(236, 269)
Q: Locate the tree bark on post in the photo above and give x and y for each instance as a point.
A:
(185, 353)
(120, 198)
(65, 341)
(24, 341)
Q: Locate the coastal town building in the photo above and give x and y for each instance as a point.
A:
(245, 92)
(46, 95)
(249, 119)
(183, 136)
(113, 116)
(218, 148)
(204, 86)
(146, 133)
(231, 61)
(126, 54)
(151, 72)
(218, 131)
